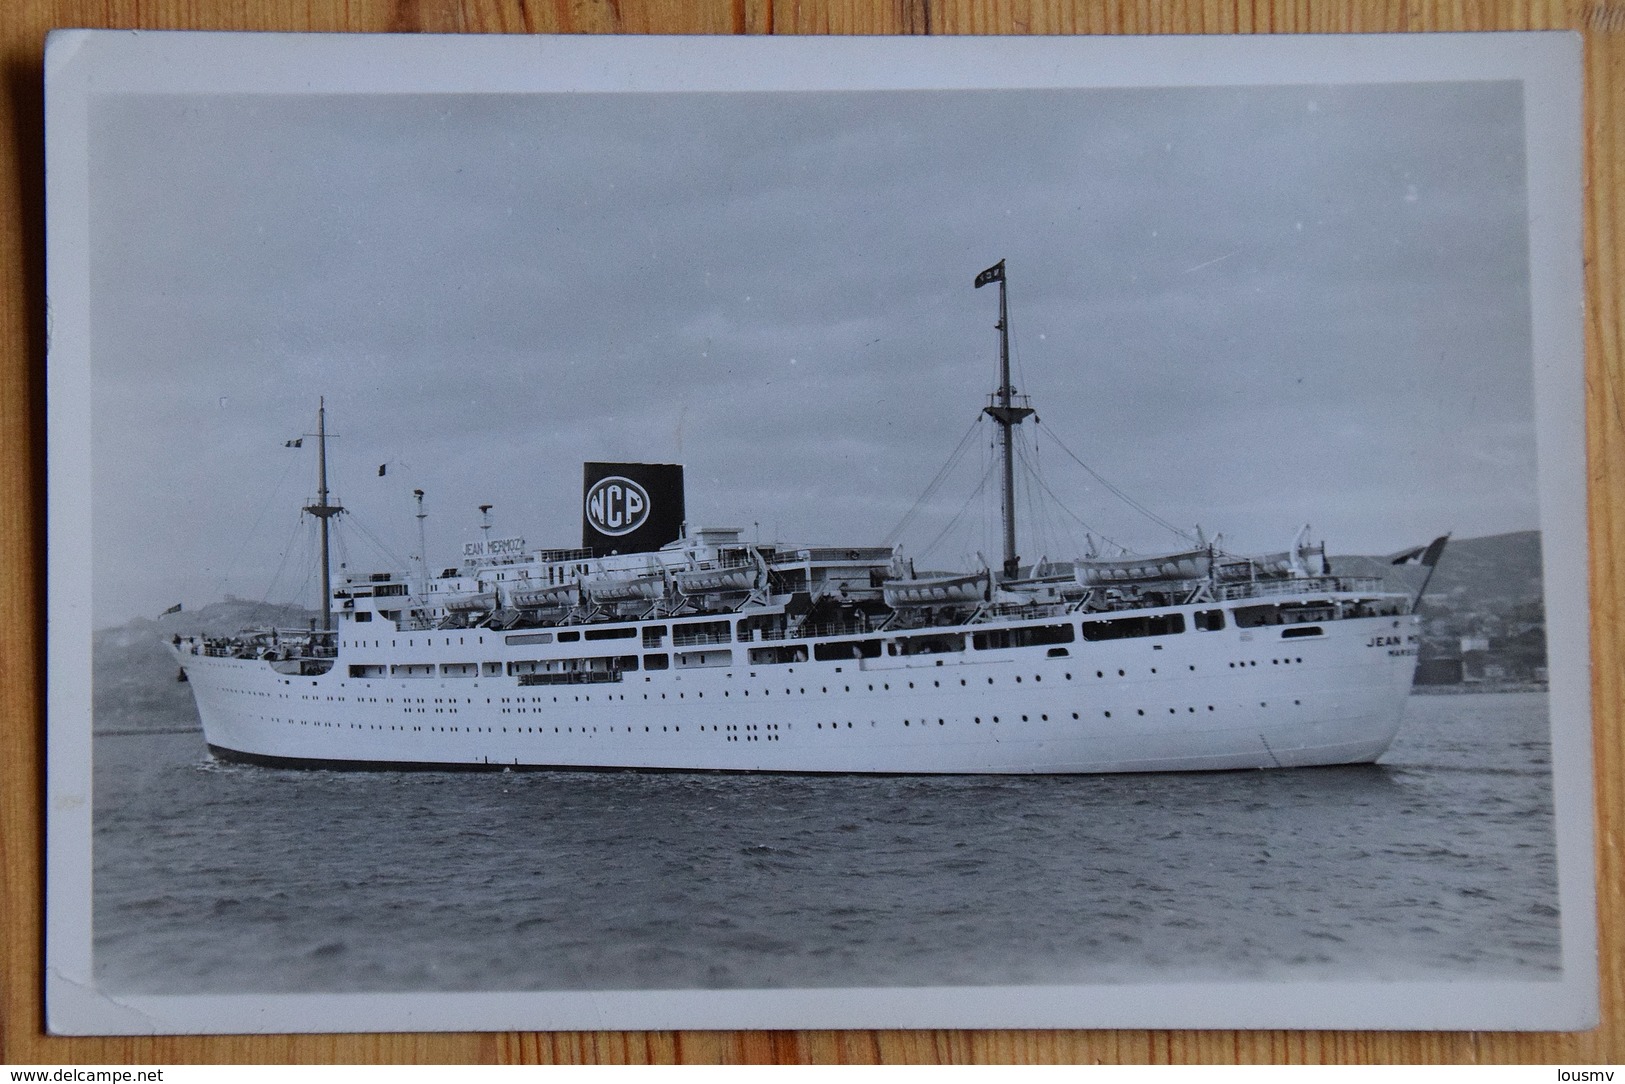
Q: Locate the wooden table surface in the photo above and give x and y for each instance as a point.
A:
(23, 25)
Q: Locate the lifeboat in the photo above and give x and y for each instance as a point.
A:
(1308, 561)
(1189, 565)
(561, 595)
(472, 602)
(639, 587)
(938, 591)
(703, 581)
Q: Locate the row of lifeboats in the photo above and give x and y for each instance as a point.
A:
(655, 583)
(608, 588)
(1193, 566)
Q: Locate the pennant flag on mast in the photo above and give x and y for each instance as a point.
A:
(992, 274)
(381, 467)
(175, 609)
(298, 443)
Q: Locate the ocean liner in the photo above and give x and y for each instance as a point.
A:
(656, 645)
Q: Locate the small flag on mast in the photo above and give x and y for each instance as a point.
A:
(992, 274)
(381, 467)
(1427, 555)
(299, 443)
(175, 609)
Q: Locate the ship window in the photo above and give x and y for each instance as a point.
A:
(1248, 617)
(1302, 630)
(1209, 620)
(609, 634)
(1125, 627)
(779, 653)
(363, 615)
(1027, 636)
(569, 637)
(931, 645)
(656, 662)
(702, 632)
(847, 649)
(653, 634)
(530, 638)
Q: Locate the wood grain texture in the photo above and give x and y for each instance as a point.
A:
(23, 26)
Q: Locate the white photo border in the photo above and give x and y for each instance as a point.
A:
(83, 65)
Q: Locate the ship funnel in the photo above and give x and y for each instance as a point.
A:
(631, 507)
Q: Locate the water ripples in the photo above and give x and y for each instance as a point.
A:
(212, 877)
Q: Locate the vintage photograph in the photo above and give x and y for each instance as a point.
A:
(758, 541)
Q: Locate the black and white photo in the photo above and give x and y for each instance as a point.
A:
(704, 533)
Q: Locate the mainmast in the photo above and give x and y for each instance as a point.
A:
(324, 511)
(1009, 410)
(423, 549)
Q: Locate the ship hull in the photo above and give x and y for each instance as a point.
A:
(1229, 699)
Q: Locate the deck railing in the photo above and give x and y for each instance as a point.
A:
(1307, 585)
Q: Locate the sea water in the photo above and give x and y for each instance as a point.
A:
(1437, 863)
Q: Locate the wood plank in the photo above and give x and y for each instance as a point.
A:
(22, 330)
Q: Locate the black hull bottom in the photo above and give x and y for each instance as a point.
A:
(236, 756)
(311, 764)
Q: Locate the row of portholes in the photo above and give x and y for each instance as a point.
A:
(352, 726)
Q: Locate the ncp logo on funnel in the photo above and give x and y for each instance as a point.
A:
(617, 506)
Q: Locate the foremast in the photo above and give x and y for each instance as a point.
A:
(324, 510)
(1009, 410)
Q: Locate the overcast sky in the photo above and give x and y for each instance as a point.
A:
(1249, 308)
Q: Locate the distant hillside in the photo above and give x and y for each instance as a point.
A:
(133, 682)
(1494, 572)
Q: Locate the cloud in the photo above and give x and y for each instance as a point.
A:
(1238, 307)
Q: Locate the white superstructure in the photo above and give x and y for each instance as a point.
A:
(1315, 675)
